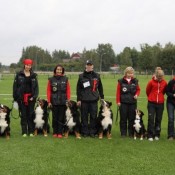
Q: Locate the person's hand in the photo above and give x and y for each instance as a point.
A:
(119, 104)
(135, 97)
(49, 105)
(79, 103)
(31, 99)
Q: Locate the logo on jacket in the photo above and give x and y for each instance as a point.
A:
(124, 89)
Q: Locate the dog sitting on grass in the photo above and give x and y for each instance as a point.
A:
(139, 128)
(105, 119)
(72, 120)
(41, 118)
(5, 121)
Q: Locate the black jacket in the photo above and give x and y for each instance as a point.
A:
(19, 86)
(128, 90)
(89, 87)
(170, 90)
(58, 90)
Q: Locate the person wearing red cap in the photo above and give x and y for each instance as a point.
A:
(25, 92)
(58, 93)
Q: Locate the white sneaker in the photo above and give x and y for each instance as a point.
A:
(150, 139)
(156, 138)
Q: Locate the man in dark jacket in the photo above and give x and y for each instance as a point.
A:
(89, 88)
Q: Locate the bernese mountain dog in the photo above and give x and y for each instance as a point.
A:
(72, 120)
(139, 127)
(41, 118)
(105, 119)
(5, 121)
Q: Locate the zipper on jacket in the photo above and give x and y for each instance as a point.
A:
(158, 92)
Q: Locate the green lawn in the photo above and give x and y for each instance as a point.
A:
(88, 156)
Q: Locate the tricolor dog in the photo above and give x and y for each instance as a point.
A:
(41, 117)
(105, 119)
(4, 121)
(139, 128)
(72, 120)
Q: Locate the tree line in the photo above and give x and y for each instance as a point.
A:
(103, 57)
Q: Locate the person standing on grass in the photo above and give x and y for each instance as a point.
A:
(155, 91)
(25, 92)
(170, 92)
(89, 89)
(58, 93)
(127, 93)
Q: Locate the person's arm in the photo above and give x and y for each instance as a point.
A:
(137, 91)
(169, 91)
(100, 89)
(78, 90)
(15, 88)
(48, 92)
(118, 93)
(68, 91)
(148, 88)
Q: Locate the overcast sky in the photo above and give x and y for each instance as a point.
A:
(73, 25)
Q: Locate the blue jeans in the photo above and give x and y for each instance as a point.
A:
(170, 110)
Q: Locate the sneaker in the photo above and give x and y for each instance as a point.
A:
(156, 138)
(24, 135)
(31, 135)
(170, 138)
(55, 135)
(60, 136)
(150, 139)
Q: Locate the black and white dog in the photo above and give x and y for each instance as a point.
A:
(5, 121)
(72, 119)
(105, 119)
(139, 128)
(41, 118)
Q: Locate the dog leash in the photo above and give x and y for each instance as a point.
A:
(116, 120)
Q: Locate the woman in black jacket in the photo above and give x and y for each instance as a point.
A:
(170, 91)
(25, 92)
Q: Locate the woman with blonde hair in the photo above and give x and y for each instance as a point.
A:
(126, 98)
(155, 91)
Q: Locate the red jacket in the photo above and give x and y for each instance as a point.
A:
(155, 90)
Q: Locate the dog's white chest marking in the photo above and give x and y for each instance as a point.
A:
(69, 119)
(3, 122)
(107, 118)
(137, 125)
(39, 122)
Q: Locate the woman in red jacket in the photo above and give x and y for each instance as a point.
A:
(58, 92)
(155, 91)
(126, 98)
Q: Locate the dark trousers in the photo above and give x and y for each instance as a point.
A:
(155, 112)
(171, 112)
(27, 117)
(127, 117)
(58, 118)
(88, 125)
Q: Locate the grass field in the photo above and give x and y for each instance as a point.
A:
(88, 156)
